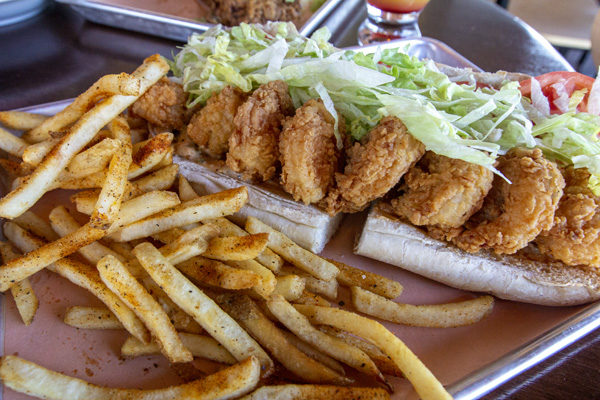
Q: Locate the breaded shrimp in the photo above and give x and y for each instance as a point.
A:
(514, 214)
(308, 152)
(254, 145)
(443, 191)
(163, 105)
(574, 239)
(374, 166)
(211, 126)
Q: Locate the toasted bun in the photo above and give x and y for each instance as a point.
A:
(390, 240)
(306, 225)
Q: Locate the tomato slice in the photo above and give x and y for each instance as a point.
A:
(569, 81)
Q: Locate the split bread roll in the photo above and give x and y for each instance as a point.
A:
(306, 225)
(388, 239)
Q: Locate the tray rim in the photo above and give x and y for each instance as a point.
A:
(136, 15)
(489, 377)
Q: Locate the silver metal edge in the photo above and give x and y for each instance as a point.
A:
(183, 26)
(90, 10)
(315, 20)
(521, 359)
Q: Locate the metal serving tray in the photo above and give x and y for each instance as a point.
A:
(567, 324)
(168, 26)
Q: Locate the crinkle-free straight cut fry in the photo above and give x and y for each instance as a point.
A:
(26, 377)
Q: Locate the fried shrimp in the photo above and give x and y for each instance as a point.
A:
(443, 191)
(574, 239)
(374, 166)
(514, 214)
(211, 127)
(309, 155)
(254, 144)
(163, 105)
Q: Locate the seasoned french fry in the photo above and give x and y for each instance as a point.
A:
(35, 153)
(290, 287)
(313, 352)
(63, 223)
(25, 299)
(291, 252)
(424, 382)
(136, 208)
(447, 315)
(144, 206)
(316, 392)
(199, 345)
(350, 276)
(205, 207)
(267, 258)
(102, 318)
(383, 362)
(12, 144)
(128, 87)
(308, 297)
(26, 377)
(190, 244)
(19, 120)
(297, 323)
(168, 236)
(237, 248)
(149, 154)
(267, 279)
(35, 260)
(109, 201)
(315, 285)
(41, 180)
(118, 279)
(181, 321)
(204, 310)
(82, 275)
(91, 318)
(185, 190)
(247, 313)
(158, 180)
(31, 222)
(161, 179)
(90, 161)
(214, 273)
(15, 169)
(122, 249)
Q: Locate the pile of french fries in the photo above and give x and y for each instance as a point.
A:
(182, 279)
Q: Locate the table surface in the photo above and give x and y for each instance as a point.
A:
(58, 54)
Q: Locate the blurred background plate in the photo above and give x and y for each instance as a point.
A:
(12, 11)
(178, 19)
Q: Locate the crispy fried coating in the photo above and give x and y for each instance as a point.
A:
(211, 126)
(374, 166)
(234, 12)
(514, 214)
(443, 191)
(254, 145)
(163, 105)
(308, 152)
(574, 239)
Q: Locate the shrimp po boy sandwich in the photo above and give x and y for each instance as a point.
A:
(483, 181)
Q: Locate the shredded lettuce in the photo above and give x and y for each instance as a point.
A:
(453, 118)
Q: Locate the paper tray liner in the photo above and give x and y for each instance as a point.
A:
(91, 355)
